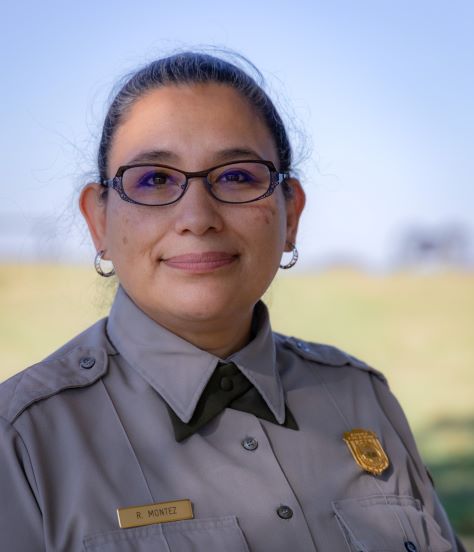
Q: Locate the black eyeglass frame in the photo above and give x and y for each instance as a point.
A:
(276, 178)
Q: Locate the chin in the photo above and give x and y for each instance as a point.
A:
(210, 300)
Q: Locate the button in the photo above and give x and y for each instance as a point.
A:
(228, 369)
(410, 546)
(87, 362)
(285, 512)
(303, 346)
(226, 384)
(249, 443)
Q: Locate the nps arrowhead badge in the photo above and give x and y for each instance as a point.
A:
(367, 450)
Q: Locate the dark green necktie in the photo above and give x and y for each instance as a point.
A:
(227, 387)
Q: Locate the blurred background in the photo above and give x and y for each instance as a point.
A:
(378, 99)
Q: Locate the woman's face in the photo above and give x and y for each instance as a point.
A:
(197, 260)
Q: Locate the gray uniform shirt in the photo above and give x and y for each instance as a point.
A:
(87, 431)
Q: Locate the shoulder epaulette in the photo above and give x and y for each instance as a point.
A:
(79, 363)
(325, 354)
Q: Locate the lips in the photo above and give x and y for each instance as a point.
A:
(200, 262)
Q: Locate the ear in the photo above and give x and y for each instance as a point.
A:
(294, 207)
(93, 206)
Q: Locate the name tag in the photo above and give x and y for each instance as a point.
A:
(162, 512)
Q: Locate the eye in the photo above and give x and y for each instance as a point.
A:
(236, 176)
(156, 179)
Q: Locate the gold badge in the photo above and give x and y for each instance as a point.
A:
(367, 450)
(162, 512)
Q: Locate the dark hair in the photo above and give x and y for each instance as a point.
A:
(195, 68)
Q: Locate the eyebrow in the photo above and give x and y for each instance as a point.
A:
(165, 156)
(152, 156)
(231, 154)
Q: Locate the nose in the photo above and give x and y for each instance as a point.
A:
(197, 211)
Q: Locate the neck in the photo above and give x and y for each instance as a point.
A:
(218, 337)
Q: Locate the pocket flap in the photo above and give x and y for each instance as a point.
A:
(388, 524)
(222, 533)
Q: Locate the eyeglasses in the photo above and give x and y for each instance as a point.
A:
(236, 182)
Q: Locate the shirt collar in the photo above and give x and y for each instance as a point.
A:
(178, 370)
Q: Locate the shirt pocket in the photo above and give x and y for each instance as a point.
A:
(206, 535)
(388, 524)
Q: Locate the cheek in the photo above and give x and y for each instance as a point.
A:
(126, 230)
(269, 222)
(266, 213)
(118, 229)
(263, 213)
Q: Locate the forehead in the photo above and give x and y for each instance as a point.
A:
(192, 123)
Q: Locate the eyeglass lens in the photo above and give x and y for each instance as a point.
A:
(235, 183)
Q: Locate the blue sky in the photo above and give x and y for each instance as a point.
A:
(382, 92)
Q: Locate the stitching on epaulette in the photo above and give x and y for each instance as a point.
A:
(308, 354)
(13, 414)
(20, 379)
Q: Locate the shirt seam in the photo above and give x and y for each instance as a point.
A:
(128, 440)
(35, 491)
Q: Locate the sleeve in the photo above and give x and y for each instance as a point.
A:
(21, 527)
(397, 418)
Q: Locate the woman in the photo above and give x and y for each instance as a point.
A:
(182, 422)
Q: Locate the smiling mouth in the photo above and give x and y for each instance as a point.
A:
(200, 262)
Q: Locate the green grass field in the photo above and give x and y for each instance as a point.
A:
(417, 329)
